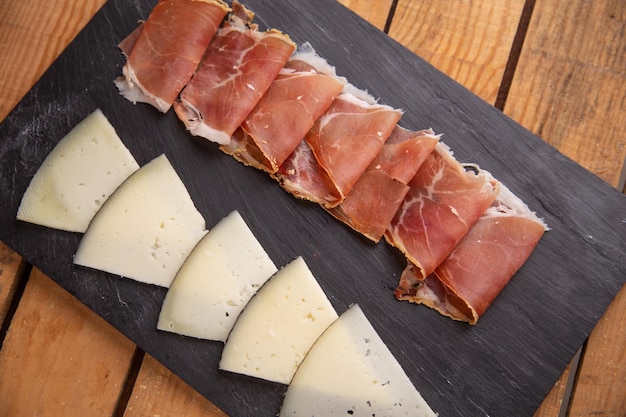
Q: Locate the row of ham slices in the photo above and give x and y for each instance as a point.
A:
(285, 111)
(276, 324)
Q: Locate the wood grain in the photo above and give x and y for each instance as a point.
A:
(468, 40)
(375, 12)
(157, 391)
(33, 34)
(601, 384)
(59, 358)
(11, 266)
(570, 86)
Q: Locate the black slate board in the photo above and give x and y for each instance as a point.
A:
(503, 366)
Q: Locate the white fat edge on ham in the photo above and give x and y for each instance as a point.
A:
(508, 204)
(132, 90)
(128, 85)
(306, 53)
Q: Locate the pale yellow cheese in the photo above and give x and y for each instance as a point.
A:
(278, 326)
(77, 176)
(215, 283)
(146, 229)
(350, 371)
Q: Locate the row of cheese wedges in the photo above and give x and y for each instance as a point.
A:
(275, 324)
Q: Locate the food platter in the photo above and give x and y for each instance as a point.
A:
(503, 366)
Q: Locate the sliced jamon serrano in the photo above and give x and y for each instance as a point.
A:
(349, 135)
(375, 198)
(299, 95)
(303, 177)
(163, 53)
(446, 198)
(236, 71)
(482, 264)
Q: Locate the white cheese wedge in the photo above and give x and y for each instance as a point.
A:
(77, 176)
(350, 371)
(278, 326)
(146, 229)
(215, 283)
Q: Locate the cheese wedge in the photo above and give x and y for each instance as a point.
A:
(215, 283)
(77, 176)
(278, 326)
(350, 371)
(146, 229)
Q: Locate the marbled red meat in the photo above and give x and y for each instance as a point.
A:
(375, 198)
(465, 284)
(302, 176)
(163, 53)
(348, 136)
(236, 71)
(299, 95)
(444, 201)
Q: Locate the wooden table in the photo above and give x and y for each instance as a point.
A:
(558, 67)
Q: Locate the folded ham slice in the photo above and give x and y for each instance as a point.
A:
(236, 71)
(163, 53)
(446, 198)
(481, 265)
(375, 198)
(299, 95)
(303, 177)
(348, 136)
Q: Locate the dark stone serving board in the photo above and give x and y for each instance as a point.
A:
(503, 366)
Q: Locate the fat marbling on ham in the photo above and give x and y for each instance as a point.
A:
(349, 135)
(300, 94)
(375, 198)
(239, 65)
(338, 148)
(445, 199)
(163, 53)
(465, 284)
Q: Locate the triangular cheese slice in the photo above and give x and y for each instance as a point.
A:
(77, 176)
(278, 326)
(350, 371)
(146, 229)
(215, 283)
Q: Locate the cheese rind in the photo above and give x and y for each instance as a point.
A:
(215, 283)
(350, 371)
(77, 176)
(146, 229)
(278, 326)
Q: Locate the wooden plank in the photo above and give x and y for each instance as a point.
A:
(48, 28)
(59, 358)
(11, 266)
(570, 88)
(601, 385)
(157, 391)
(468, 40)
(582, 92)
(375, 12)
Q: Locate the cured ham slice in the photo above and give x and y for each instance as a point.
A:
(163, 53)
(375, 198)
(299, 95)
(339, 148)
(236, 71)
(348, 136)
(446, 198)
(302, 176)
(482, 264)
